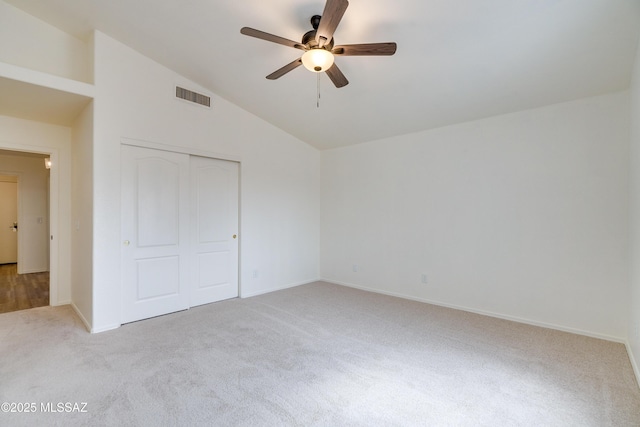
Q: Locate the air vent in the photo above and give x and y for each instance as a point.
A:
(191, 96)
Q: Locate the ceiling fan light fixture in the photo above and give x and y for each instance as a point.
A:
(318, 45)
(317, 60)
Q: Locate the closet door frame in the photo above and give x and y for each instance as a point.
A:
(191, 152)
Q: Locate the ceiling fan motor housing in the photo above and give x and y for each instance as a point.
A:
(309, 38)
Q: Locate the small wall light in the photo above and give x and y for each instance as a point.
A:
(47, 162)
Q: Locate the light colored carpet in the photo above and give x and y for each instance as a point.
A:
(314, 355)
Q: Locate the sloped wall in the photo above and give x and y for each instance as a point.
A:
(135, 99)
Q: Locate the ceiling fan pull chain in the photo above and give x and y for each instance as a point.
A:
(318, 91)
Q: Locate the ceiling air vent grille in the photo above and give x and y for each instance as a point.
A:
(191, 96)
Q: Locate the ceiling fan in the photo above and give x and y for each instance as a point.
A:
(319, 46)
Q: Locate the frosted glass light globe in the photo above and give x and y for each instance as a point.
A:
(317, 60)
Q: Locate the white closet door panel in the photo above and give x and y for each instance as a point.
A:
(213, 269)
(158, 188)
(157, 277)
(155, 232)
(214, 230)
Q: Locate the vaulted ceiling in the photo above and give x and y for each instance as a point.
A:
(457, 60)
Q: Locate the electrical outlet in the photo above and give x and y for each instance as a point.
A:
(423, 279)
(255, 274)
(355, 268)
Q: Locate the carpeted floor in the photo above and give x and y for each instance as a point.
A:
(314, 355)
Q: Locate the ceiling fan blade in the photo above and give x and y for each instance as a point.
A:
(333, 11)
(284, 70)
(271, 38)
(336, 76)
(366, 49)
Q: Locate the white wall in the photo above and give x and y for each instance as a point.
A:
(36, 45)
(82, 215)
(521, 216)
(25, 135)
(33, 206)
(634, 196)
(135, 98)
(31, 43)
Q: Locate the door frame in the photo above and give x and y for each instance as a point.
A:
(201, 153)
(54, 214)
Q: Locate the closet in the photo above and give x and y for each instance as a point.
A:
(179, 231)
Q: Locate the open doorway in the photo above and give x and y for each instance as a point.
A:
(24, 231)
(8, 219)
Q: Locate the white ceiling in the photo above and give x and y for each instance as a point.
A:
(456, 60)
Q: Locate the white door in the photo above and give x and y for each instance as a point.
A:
(8, 219)
(214, 230)
(155, 237)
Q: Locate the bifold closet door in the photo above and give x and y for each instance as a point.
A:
(155, 232)
(214, 230)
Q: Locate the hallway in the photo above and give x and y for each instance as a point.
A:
(22, 291)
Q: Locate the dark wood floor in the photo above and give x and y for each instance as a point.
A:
(21, 291)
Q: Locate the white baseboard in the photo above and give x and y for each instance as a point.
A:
(242, 295)
(483, 312)
(633, 361)
(34, 270)
(266, 291)
(87, 324)
(105, 328)
(66, 302)
(81, 316)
